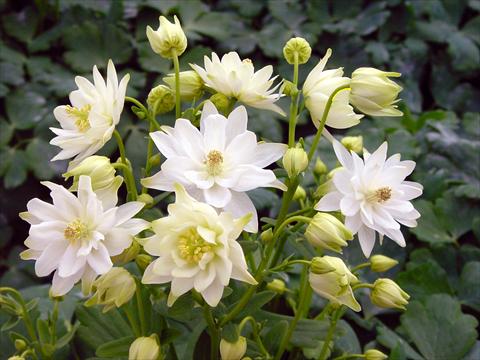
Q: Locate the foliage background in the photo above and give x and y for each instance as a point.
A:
(433, 43)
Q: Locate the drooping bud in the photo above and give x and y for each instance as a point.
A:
(334, 285)
(221, 102)
(233, 351)
(300, 193)
(161, 100)
(327, 232)
(374, 354)
(276, 285)
(373, 93)
(143, 260)
(145, 348)
(381, 263)
(127, 255)
(191, 84)
(320, 168)
(387, 294)
(112, 289)
(295, 161)
(353, 143)
(267, 235)
(288, 88)
(298, 46)
(168, 39)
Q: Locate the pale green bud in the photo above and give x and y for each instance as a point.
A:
(323, 189)
(288, 88)
(295, 160)
(320, 168)
(300, 193)
(127, 255)
(161, 100)
(387, 294)
(168, 39)
(267, 235)
(143, 260)
(233, 351)
(191, 84)
(145, 198)
(155, 160)
(298, 46)
(373, 93)
(112, 289)
(327, 232)
(381, 263)
(353, 143)
(20, 344)
(374, 354)
(221, 102)
(145, 348)
(320, 265)
(276, 285)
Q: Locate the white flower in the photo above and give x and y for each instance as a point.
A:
(237, 79)
(197, 249)
(91, 119)
(217, 164)
(76, 236)
(373, 195)
(318, 87)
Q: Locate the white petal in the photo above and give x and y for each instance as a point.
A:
(268, 153)
(237, 123)
(48, 260)
(253, 177)
(127, 211)
(349, 206)
(366, 236)
(62, 285)
(217, 196)
(213, 129)
(329, 202)
(213, 293)
(241, 205)
(208, 109)
(99, 260)
(342, 155)
(150, 277)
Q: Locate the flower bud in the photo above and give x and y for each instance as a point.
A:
(327, 232)
(16, 357)
(143, 260)
(221, 102)
(295, 161)
(373, 93)
(20, 344)
(330, 278)
(298, 46)
(145, 198)
(323, 189)
(127, 255)
(169, 39)
(381, 263)
(374, 354)
(267, 235)
(145, 348)
(233, 351)
(320, 168)
(276, 285)
(112, 289)
(387, 294)
(191, 84)
(288, 88)
(161, 100)
(353, 143)
(300, 193)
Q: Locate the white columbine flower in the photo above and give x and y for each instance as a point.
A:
(197, 249)
(91, 119)
(237, 79)
(318, 87)
(77, 235)
(217, 164)
(373, 195)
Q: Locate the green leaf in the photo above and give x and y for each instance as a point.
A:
(16, 172)
(12, 74)
(150, 61)
(434, 30)
(391, 340)
(114, 348)
(6, 132)
(347, 342)
(464, 52)
(59, 80)
(430, 228)
(21, 25)
(25, 108)
(39, 153)
(230, 332)
(469, 289)
(274, 335)
(256, 302)
(439, 329)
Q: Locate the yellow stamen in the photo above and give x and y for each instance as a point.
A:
(380, 195)
(191, 246)
(80, 116)
(76, 230)
(214, 162)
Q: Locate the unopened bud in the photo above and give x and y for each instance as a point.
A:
(320, 168)
(267, 235)
(221, 102)
(127, 255)
(145, 348)
(161, 100)
(295, 161)
(381, 263)
(387, 294)
(298, 46)
(300, 193)
(374, 354)
(353, 143)
(20, 344)
(155, 160)
(145, 198)
(191, 84)
(143, 260)
(288, 88)
(276, 285)
(169, 39)
(233, 351)
(327, 232)
(323, 189)
(320, 265)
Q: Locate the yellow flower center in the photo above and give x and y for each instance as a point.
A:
(192, 247)
(75, 231)
(380, 195)
(247, 61)
(214, 162)
(80, 116)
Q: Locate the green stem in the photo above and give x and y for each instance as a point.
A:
(324, 312)
(53, 329)
(349, 356)
(214, 338)
(289, 220)
(132, 321)
(316, 139)
(331, 331)
(290, 263)
(127, 171)
(361, 266)
(148, 164)
(141, 312)
(176, 66)
(293, 106)
(256, 335)
(362, 285)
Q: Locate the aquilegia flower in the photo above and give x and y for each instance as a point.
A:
(217, 164)
(237, 79)
(197, 249)
(77, 235)
(318, 87)
(91, 119)
(373, 195)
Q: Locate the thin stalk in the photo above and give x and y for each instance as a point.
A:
(361, 266)
(148, 165)
(289, 220)
(176, 66)
(141, 312)
(256, 335)
(363, 285)
(127, 171)
(290, 263)
(293, 106)
(331, 331)
(132, 321)
(214, 338)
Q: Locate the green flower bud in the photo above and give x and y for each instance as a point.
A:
(221, 102)
(353, 143)
(295, 161)
(323, 189)
(168, 39)
(145, 198)
(127, 255)
(327, 232)
(112, 289)
(381, 263)
(191, 84)
(143, 260)
(276, 285)
(298, 46)
(145, 348)
(300, 193)
(320, 265)
(320, 168)
(267, 235)
(373, 93)
(155, 160)
(20, 344)
(288, 88)
(161, 100)
(374, 354)
(387, 294)
(233, 351)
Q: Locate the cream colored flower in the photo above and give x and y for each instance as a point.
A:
(237, 79)
(144, 348)
(168, 38)
(197, 249)
(387, 294)
(233, 351)
(327, 232)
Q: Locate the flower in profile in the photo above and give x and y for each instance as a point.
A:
(168, 39)
(77, 235)
(145, 348)
(217, 164)
(233, 351)
(327, 232)
(88, 123)
(387, 294)
(318, 87)
(237, 79)
(373, 195)
(374, 354)
(330, 278)
(197, 249)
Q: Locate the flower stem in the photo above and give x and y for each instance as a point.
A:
(176, 66)
(127, 170)
(337, 314)
(289, 220)
(293, 106)
(141, 312)
(362, 285)
(133, 323)
(361, 266)
(148, 165)
(256, 335)
(214, 338)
